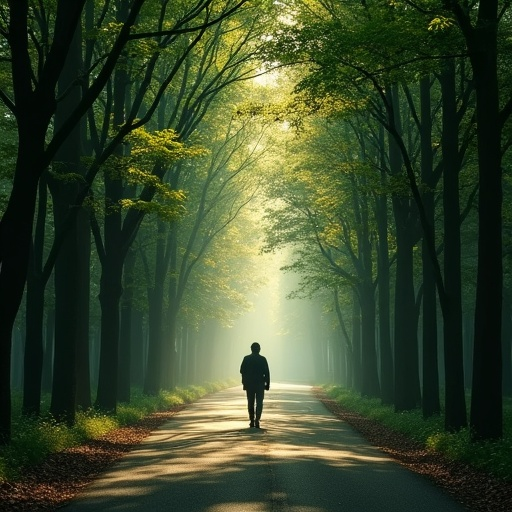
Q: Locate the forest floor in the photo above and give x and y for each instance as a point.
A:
(51, 484)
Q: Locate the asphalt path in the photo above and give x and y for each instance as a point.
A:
(303, 459)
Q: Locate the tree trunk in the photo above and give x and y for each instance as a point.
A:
(370, 385)
(34, 352)
(125, 337)
(66, 313)
(68, 279)
(47, 378)
(455, 402)
(111, 287)
(486, 398)
(156, 355)
(110, 295)
(33, 357)
(15, 242)
(407, 387)
(431, 403)
(406, 343)
(356, 343)
(138, 351)
(386, 354)
(468, 337)
(83, 364)
(345, 347)
(175, 293)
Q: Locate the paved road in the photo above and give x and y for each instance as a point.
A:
(303, 459)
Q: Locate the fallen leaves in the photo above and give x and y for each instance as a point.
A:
(478, 491)
(62, 475)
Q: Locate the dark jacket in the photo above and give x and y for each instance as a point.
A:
(255, 372)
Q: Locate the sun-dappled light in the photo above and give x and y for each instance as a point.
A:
(208, 459)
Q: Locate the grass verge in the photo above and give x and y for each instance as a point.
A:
(35, 438)
(491, 457)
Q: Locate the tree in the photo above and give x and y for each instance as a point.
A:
(225, 58)
(328, 206)
(34, 107)
(354, 57)
(479, 28)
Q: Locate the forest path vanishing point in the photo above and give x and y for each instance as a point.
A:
(303, 459)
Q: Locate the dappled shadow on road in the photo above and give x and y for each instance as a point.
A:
(303, 460)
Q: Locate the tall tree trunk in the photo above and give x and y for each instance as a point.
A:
(406, 343)
(170, 349)
(356, 342)
(15, 242)
(370, 385)
(67, 266)
(468, 337)
(110, 296)
(153, 379)
(139, 349)
(34, 352)
(125, 336)
(486, 416)
(156, 356)
(46, 385)
(346, 347)
(431, 403)
(34, 110)
(386, 354)
(111, 285)
(455, 402)
(83, 364)
(407, 387)
(170, 356)
(66, 313)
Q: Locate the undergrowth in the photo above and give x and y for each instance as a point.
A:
(35, 438)
(491, 456)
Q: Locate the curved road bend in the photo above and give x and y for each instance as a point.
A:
(303, 459)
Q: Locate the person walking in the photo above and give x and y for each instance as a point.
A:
(255, 380)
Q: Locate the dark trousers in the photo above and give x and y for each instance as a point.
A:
(255, 395)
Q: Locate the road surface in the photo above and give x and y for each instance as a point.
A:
(303, 459)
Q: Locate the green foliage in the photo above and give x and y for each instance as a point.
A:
(441, 23)
(36, 438)
(168, 212)
(92, 425)
(32, 441)
(492, 457)
(190, 394)
(489, 456)
(159, 147)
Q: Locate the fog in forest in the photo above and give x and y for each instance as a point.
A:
(284, 327)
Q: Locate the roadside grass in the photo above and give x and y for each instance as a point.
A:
(35, 438)
(493, 457)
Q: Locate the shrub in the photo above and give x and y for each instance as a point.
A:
(35, 438)
(92, 425)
